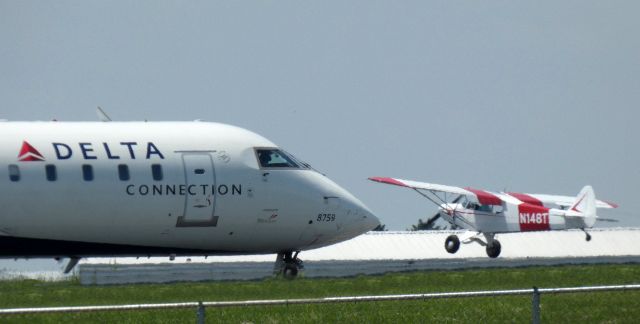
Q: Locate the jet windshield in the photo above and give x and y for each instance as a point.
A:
(275, 158)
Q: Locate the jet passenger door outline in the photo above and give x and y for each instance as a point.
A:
(200, 200)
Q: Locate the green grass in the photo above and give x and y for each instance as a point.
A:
(613, 307)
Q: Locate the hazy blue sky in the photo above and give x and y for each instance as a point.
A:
(538, 96)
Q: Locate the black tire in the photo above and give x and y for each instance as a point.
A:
(452, 244)
(493, 249)
(290, 271)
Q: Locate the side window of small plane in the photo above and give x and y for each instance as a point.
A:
(50, 170)
(14, 173)
(123, 172)
(156, 172)
(485, 208)
(87, 172)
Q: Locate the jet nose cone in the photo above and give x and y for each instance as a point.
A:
(362, 217)
(371, 222)
(353, 217)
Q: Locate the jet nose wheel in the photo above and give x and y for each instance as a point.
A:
(290, 271)
(287, 265)
(493, 249)
(452, 244)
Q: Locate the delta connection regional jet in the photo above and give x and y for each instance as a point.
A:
(80, 189)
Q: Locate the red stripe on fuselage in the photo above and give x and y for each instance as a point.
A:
(486, 198)
(526, 199)
(533, 218)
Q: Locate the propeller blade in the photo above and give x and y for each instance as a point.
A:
(432, 220)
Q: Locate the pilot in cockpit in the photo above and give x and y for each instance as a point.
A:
(265, 158)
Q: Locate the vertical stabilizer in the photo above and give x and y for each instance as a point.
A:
(586, 204)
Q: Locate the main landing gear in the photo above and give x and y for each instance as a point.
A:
(452, 244)
(493, 247)
(73, 261)
(288, 265)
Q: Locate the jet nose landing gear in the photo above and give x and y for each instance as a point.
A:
(288, 265)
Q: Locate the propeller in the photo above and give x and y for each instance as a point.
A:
(433, 219)
(452, 212)
(428, 224)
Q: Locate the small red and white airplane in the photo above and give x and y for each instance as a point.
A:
(489, 213)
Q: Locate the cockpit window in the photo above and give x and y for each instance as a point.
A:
(475, 206)
(275, 158)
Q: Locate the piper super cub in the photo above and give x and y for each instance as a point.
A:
(490, 213)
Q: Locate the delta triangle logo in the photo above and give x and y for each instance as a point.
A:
(29, 153)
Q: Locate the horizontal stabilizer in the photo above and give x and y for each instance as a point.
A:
(608, 220)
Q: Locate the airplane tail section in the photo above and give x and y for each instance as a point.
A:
(585, 204)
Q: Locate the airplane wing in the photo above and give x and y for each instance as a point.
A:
(480, 196)
(565, 201)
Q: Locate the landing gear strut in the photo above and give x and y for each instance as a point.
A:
(288, 265)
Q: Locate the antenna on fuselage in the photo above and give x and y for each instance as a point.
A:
(103, 115)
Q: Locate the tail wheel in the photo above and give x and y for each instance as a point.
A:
(493, 249)
(452, 244)
(290, 271)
